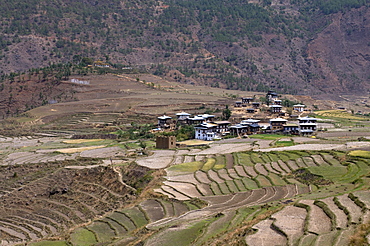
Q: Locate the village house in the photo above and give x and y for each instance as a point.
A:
(246, 127)
(275, 108)
(277, 101)
(163, 122)
(299, 107)
(182, 117)
(256, 105)
(307, 125)
(238, 104)
(270, 96)
(247, 100)
(253, 126)
(198, 119)
(239, 130)
(277, 124)
(291, 128)
(207, 117)
(205, 131)
(194, 120)
(250, 110)
(222, 127)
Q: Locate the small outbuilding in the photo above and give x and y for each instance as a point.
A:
(165, 142)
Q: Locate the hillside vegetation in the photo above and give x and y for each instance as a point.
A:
(292, 46)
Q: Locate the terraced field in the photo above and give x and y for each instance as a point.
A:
(123, 223)
(253, 198)
(49, 205)
(230, 174)
(314, 214)
(326, 221)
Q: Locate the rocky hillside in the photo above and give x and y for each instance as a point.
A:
(299, 47)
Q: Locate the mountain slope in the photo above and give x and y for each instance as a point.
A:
(300, 47)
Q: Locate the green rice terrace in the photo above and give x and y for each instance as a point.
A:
(244, 192)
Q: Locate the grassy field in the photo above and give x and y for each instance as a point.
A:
(267, 136)
(338, 114)
(187, 167)
(360, 153)
(209, 164)
(83, 237)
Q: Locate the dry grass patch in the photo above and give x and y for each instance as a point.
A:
(337, 114)
(360, 153)
(78, 141)
(209, 164)
(80, 149)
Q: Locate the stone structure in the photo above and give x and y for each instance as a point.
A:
(165, 142)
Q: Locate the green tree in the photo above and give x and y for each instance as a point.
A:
(226, 113)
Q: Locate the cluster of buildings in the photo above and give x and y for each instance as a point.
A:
(207, 128)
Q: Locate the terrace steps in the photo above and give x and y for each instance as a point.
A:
(205, 189)
(224, 174)
(301, 163)
(39, 229)
(318, 221)
(291, 220)
(292, 165)
(48, 225)
(214, 176)
(355, 212)
(176, 194)
(319, 160)
(260, 168)
(241, 171)
(215, 187)
(327, 238)
(123, 220)
(343, 237)
(331, 160)
(309, 161)
(232, 173)
(275, 165)
(202, 177)
(284, 166)
(118, 229)
(217, 226)
(187, 189)
(98, 188)
(340, 217)
(270, 169)
(232, 186)
(102, 231)
(308, 239)
(189, 158)
(250, 171)
(265, 235)
(74, 215)
(20, 230)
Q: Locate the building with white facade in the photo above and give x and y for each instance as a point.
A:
(307, 125)
(205, 131)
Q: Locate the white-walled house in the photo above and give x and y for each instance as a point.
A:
(299, 107)
(205, 131)
(182, 116)
(307, 125)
